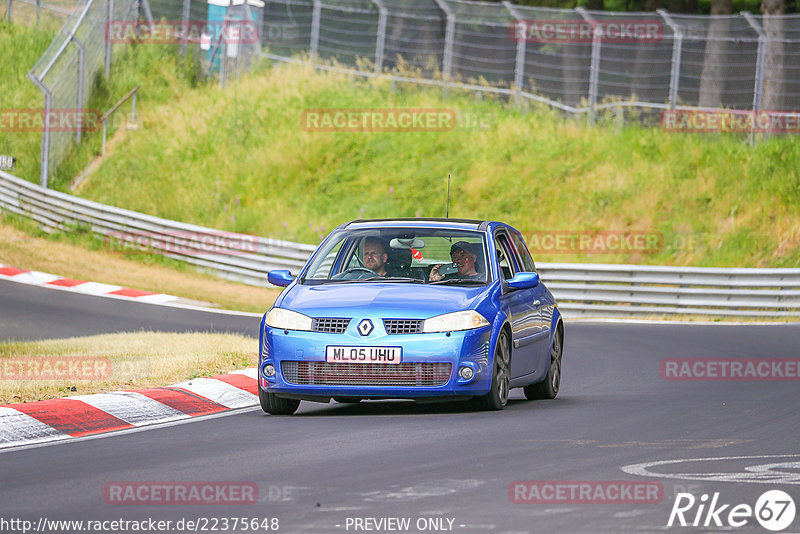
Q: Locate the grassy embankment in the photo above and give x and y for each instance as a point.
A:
(239, 159)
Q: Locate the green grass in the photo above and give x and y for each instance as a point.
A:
(238, 159)
(21, 47)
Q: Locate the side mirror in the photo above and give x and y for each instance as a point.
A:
(280, 277)
(524, 281)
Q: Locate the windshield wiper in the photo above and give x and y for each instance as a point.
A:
(460, 281)
(386, 279)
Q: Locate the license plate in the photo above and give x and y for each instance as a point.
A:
(338, 354)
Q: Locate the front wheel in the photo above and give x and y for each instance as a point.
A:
(497, 398)
(276, 405)
(548, 388)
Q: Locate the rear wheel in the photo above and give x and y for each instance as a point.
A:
(548, 388)
(497, 398)
(275, 405)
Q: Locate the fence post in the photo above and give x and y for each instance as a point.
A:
(594, 69)
(762, 51)
(10, 6)
(107, 35)
(147, 11)
(677, 49)
(81, 74)
(519, 65)
(315, 21)
(38, 13)
(449, 38)
(187, 5)
(381, 39)
(45, 153)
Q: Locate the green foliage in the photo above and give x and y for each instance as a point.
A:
(240, 159)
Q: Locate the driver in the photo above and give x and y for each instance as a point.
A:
(375, 255)
(464, 255)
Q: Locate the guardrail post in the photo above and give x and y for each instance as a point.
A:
(10, 7)
(38, 13)
(187, 4)
(449, 39)
(519, 65)
(381, 38)
(315, 21)
(677, 49)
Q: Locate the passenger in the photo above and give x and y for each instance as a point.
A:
(465, 256)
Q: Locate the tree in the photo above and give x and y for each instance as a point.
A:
(774, 74)
(712, 80)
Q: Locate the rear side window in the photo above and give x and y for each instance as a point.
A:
(522, 253)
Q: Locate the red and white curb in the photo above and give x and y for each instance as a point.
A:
(84, 415)
(82, 286)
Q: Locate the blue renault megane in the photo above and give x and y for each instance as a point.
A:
(421, 309)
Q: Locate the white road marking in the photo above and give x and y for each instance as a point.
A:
(17, 427)
(219, 392)
(131, 407)
(754, 474)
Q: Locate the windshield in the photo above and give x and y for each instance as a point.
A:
(411, 255)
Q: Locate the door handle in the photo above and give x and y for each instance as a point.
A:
(537, 303)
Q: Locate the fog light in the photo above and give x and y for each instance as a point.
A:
(269, 370)
(466, 373)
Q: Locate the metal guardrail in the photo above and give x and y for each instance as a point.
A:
(581, 289)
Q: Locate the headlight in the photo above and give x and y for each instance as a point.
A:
(288, 320)
(450, 322)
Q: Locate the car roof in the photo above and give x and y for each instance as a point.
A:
(439, 222)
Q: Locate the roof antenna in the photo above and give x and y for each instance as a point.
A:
(447, 216)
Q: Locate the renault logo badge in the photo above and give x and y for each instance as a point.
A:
(365, 327)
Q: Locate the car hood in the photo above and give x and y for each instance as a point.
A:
(413, 301)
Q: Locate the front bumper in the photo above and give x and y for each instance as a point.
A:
(468, 348)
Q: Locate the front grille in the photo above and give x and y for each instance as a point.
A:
(330, 325)
(403, 326)
(412, 374)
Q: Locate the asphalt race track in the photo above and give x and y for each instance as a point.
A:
(329, 465)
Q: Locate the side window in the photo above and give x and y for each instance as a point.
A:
(504, 258)
(523, 254)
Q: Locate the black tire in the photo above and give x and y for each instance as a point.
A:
(548, 388)
(497, 398)
(275, 405)
(347, 400)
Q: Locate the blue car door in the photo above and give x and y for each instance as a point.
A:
(524, 310)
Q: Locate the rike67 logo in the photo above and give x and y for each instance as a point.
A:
(774, 510)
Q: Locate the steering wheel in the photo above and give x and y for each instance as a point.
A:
(363, 273)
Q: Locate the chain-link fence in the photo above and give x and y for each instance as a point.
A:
(66, 71)
(575, 60)
(36, 12)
